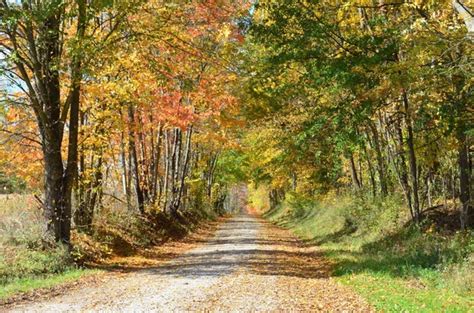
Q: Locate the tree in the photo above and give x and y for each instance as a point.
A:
(365, 78)
(41, 42)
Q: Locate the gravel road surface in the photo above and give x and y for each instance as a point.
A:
(249, 265)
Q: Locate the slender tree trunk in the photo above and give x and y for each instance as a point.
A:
(140, 146)
(134, 156)
(156, 163)
(189, 133)
(412, 158)
(428, 190)
(70, 172)
(445, 192)
(371, 171)
(355, 178)
(464, 177)
(167, 170)
(125, 177)
(96, 189)
(175, 169)
(80, 188)
(210, 174)
(380, 161)
(402, 167)
(91, 190)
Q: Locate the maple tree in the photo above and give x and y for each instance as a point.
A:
(126, 80)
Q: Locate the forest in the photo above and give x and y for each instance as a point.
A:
(128, 126)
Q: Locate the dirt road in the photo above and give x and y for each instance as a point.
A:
(249, 265)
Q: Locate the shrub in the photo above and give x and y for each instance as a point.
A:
(23, 263)
(26, 250)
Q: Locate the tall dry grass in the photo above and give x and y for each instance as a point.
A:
(25, 249)
(21, 221)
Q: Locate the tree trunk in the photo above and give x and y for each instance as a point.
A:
(125, 177)
(156, 164)
(412, 159)
(166, 160)
(175, 169)
(134, 156)
(70, 173)
(371, 171)
(53, 201)
(464, 177)
(185, 167)
(210, 174)
(143, 161)
(90, 195)
(380, 161)
(355, 179)
(402, 166)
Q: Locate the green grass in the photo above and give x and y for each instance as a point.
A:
(28, 284)
(391, 294)
(396, 267)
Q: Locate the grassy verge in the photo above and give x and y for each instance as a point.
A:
(28, 259)
(396, 267)
(23, 285)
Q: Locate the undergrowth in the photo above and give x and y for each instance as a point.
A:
(121, 232)
(396, 265)
(26, 250)
(29, 259)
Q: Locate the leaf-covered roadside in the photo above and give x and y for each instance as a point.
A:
(394, 267)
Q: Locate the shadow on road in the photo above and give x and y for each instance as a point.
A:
(248, 243)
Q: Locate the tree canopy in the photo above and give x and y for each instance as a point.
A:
(165, 105)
